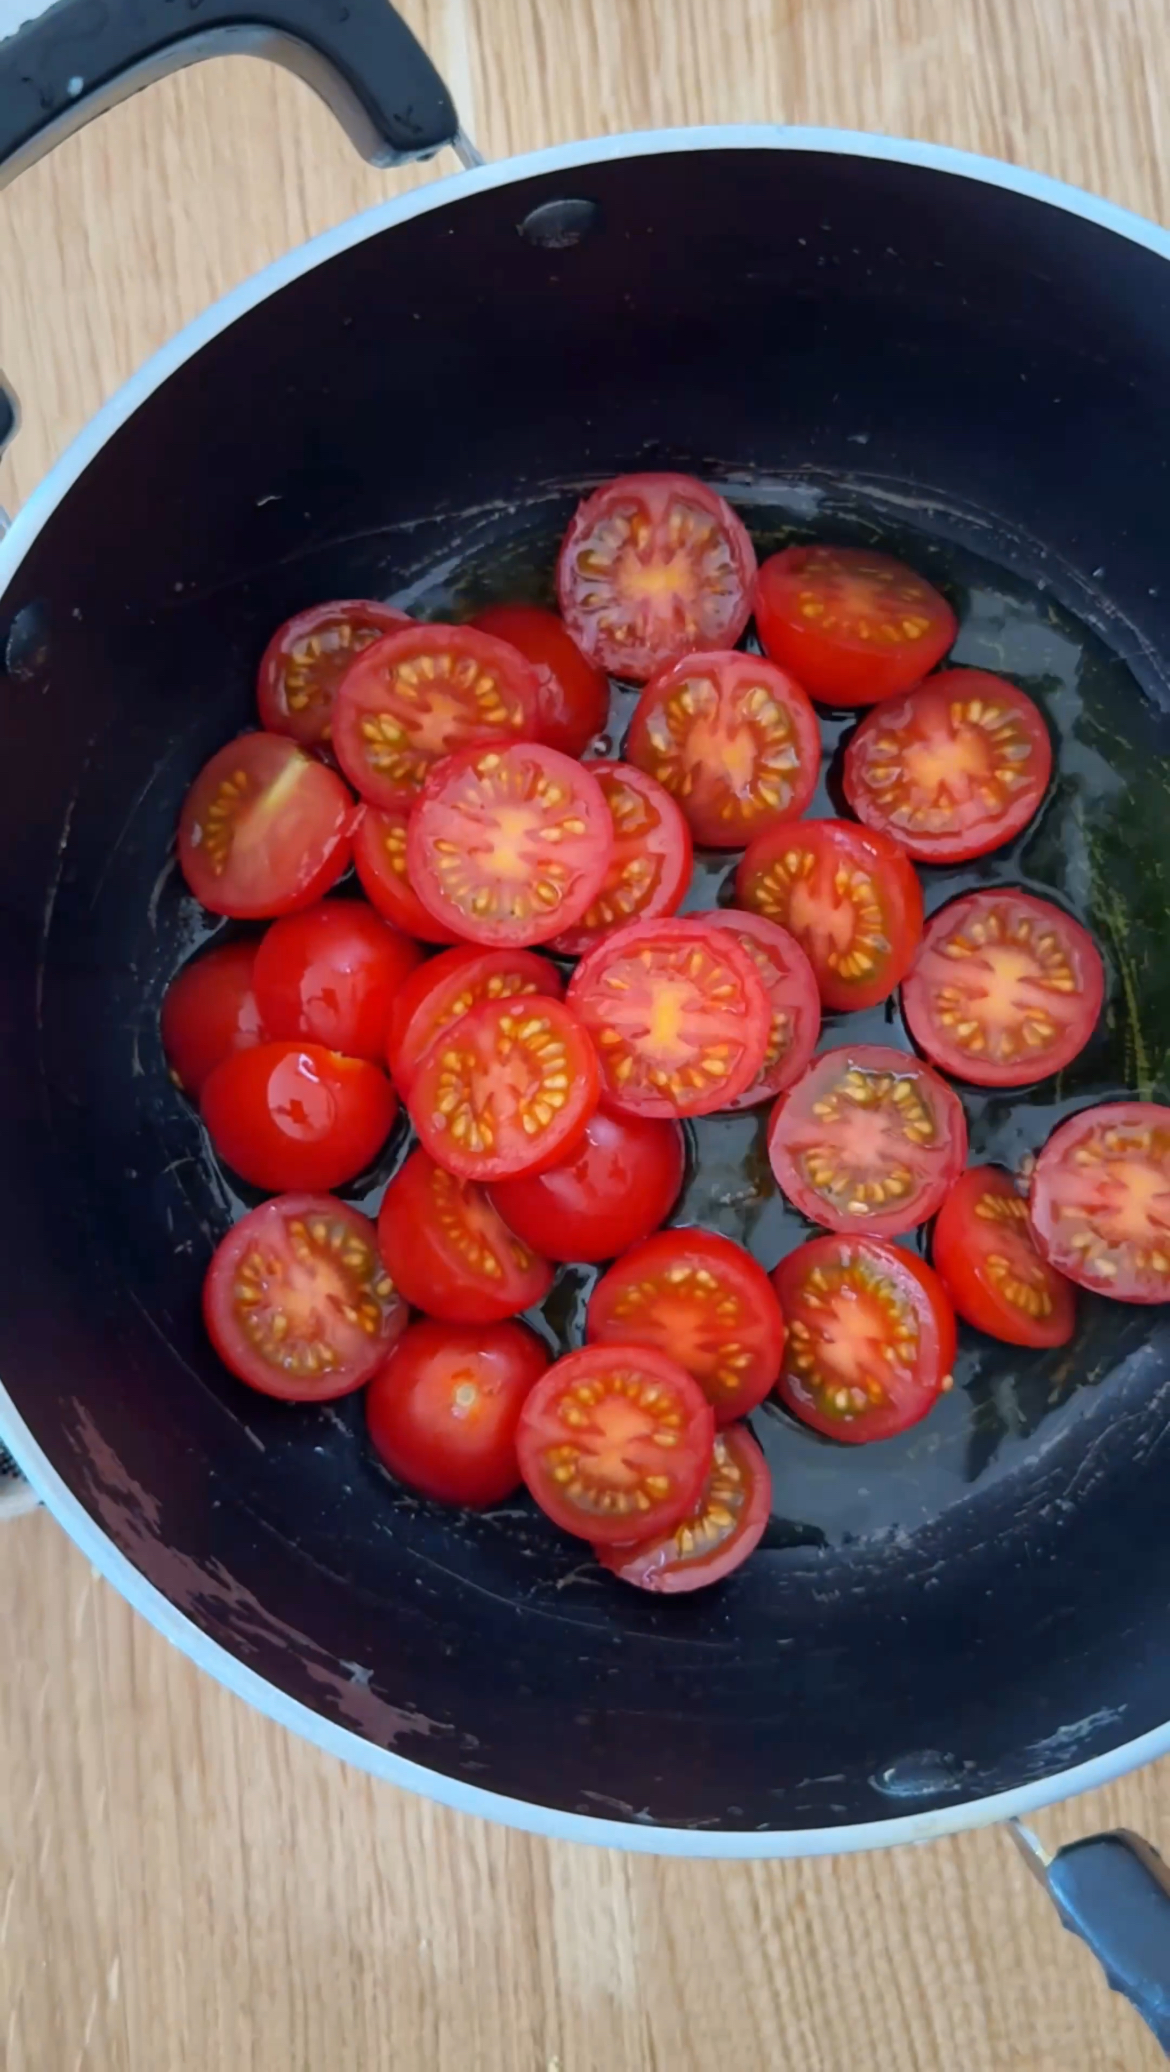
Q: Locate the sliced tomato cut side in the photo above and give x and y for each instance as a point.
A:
(443, 1409)
(703, 1301)
(850, 897)
(443, 990)
(507, 1090)
(986, 1258)
(265, 829)
(574, 693)
(451, 1253)
(379, 854)
(869, 1139)
(650, 870)
(794, 1001)
(209, 1010)
(853, 626)
(423, 694)
(733, 739)
(871, 1337)
(306, 659)
(726, 1525)
(616, 1186)
(1100, 1200)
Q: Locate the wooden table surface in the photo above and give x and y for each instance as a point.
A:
(181, 1884)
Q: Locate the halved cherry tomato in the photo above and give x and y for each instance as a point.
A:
(443, 1410)
(850, 897)
(617, 1186)
(703, 1301)
(509, 845)
(871, 1337)
(574, 694)
(733, 739)
(1100, 1200)
(986, 1257)
(1005, 988)
(331, 975)
(209, 1009)
(793, 1000)
(295, 1115)
(447, 987)
(451, 1252)
(955, 768)
(306, 659)
(726, 1525)
(265, 829)
(615, 1442)
(869, 1139)
(379, 854)
(508, 1089)
(650, 869)
(853, 626)
(678, 1014)
(297, 1301)
(653, 567)
(422, 694)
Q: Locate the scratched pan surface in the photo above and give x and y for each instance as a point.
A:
(960, 1610)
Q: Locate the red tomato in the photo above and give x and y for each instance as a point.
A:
(726, 1525)
(1100, 1201)
(422, 694)
(379, 852)
(447, 987)
(678, 1014)
(295, 1115)
(869, 1139)
(265, 829)
(508, 1090)
(793, 1000)
(443, 1410)
(306, 659)
(297, 1301)
(615, 1441)
(704, 1302)
(509, 845)
(733, 739)
(451, 1252)
(871, 1337)
(986, 1258)
(957, 767)
(1005, 988)
(650, 870)
(331, 975)
(208, 1011)
(853, 626)
(574, 695)
(618, 1185)
(850, 897)
(653, 567)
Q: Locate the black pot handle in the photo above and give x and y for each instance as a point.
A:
(1113, 1890)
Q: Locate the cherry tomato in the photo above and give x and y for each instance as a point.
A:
(615, 1441)
(306, 659)
(422, 694)
(850, 897)
(443, 1410)
(853, 626)
(447, 987)
(1005, 989)
(678, 1014)
(509, 1089)
(733, 739)
(618, 1185)
(379, 853)
(209, 1009)
(793, 1000)
(869, 1139)
(704, 1302)
(650, 870)
(726, 1525)
(265, 829)
(871, 1337)
(451, 1252)
(331, 975)
(509, 845)
(955, 768)
(651, 568)
(574, 695)
(986, 1257)
(297, 1301)
(295, 1115)
(1100, 1201)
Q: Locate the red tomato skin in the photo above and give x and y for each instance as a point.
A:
(938, 1335)
(297, 1117)
(617, 1186)
(661, 1565)
(758, 1329)
(422, 1232)
(691, 779)
(311, 723)
(419, 1427)
(961, 1247)
(450, 985)
(791, 985)
(668, 846)
(377, 837)
(487, 1032)
(899, 895)
(209, 1010)
(574, 693)
(794, 1115)
(509, 715)
(1132, 1283)
(310, 869)
(842, 672)
(330, 975)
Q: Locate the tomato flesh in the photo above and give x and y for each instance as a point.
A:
(297, 1301)
(265, 829)
(450, 1251)
(726, 1525)
(295, 1115)
(1100, 1200)
(306, 659)
(443, 1410)
(850, 897)
(706, 1304)
(794, 1001)
(1005, 988)
(852, 626)
(379, 854)
(574, 694)
(871, 1337)
(615, 1443)
(423, 694)
(508, 1089)
(733, 739)
(617, 1185)
(209, 1010)
(650, 869)
(986, 1258)
(869, 1139)
(442, 991)
(331, 974)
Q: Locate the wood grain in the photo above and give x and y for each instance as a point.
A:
(181, 1884)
